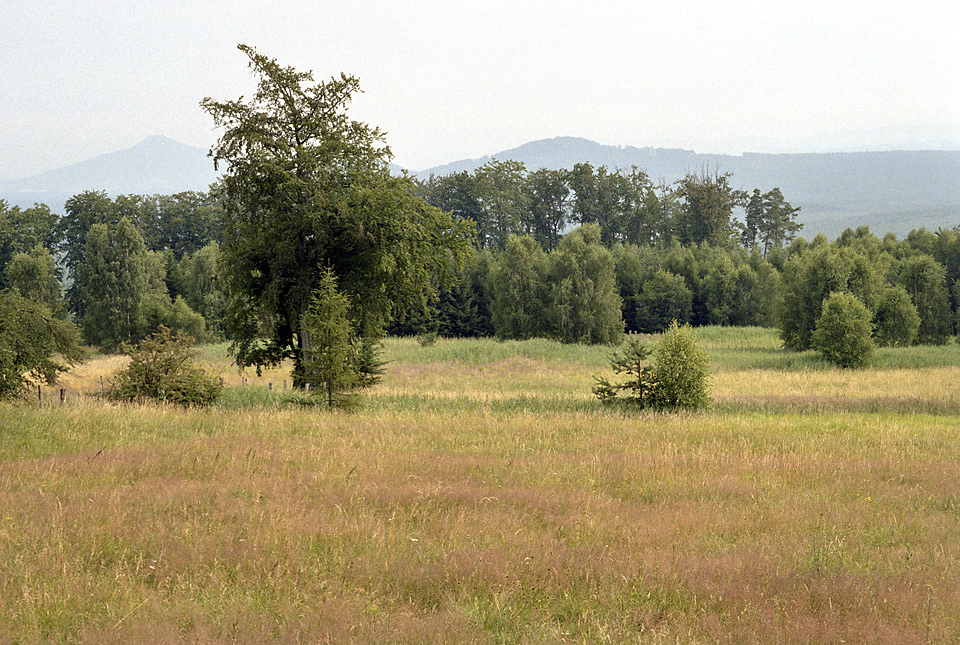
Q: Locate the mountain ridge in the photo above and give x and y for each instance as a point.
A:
(155, 165)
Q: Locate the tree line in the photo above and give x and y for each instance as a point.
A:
(308, 218)
(119, 268)
(122, 267)
(502, 198)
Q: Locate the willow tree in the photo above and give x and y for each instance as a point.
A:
(305, 188)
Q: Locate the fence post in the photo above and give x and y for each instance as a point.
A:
(63, 395)
(101, 384)
(284, 385)
(270, 386)
(40, 395)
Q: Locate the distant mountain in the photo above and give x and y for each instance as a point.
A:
(887, 191)
(156, 165)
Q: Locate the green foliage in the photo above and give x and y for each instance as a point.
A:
(162, 369)
(810, 277)
(631, 361)
(113, 280)
(35, 275)
(518, 285)
(548, 197)
(427, 338)
(665, 297)
(197, 278)
(368, 363)
(676, 380)
(679, 371)
(843, 331)
(896, 319)
(770, 221)
(327, 333)
(503, 201)
(583, 299)
(706, 208)
(21, 231)
(34, 345)
(925, 281)
(306, 188)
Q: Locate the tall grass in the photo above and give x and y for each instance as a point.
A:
(482, 495)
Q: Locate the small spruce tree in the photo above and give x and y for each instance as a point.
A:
(630, 360)
(330, 361)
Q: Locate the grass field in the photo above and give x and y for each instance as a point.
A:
(482, 495)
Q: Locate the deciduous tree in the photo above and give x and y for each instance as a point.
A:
(307, 188)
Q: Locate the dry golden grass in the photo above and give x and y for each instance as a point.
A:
(923, 389)
(476, 521)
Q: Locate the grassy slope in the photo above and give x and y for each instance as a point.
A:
(483, 496)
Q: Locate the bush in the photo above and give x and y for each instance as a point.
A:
(843, 333)
(676, 380)
(161, 368)
(679, 370)
(897, 320)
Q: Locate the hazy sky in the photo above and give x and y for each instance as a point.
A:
(449, 80)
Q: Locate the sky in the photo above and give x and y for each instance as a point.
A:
(449, 80)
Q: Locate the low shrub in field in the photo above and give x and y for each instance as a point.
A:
(161, 368)
(676, 380)
(843, 333)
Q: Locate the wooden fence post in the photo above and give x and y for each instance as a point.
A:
(63, 395)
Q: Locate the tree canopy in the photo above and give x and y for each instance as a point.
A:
(34, 345)
(305, 188)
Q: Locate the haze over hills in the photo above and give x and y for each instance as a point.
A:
(156, 165)
(887, 191)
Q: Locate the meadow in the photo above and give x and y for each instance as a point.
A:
(481, 494)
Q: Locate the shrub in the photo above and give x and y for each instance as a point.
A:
(679, 370)
(897, 320)
(843, 331)
(161, 368)
(676, 380)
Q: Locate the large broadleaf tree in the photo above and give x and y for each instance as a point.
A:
(305, 188)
